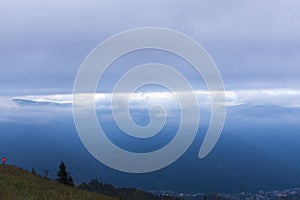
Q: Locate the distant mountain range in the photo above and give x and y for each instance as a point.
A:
(258, 149)
(27, 102)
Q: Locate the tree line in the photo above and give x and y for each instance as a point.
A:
(122, 193)
(64, 177)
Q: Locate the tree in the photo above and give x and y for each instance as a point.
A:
(70, 180)
(33, 171)
(63, 176)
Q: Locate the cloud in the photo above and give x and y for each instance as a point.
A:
(41, 102)
(44, 43)
(11, 112)
(58, 100)
(42, 108)
(141, 100)
(280, 97)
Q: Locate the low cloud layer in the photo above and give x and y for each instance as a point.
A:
(285, 98)
(41, 108)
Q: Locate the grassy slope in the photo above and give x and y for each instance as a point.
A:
(16, 183)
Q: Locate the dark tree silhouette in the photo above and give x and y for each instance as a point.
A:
(63, 176)
(33, 171)
(122, 193)
(70, 180)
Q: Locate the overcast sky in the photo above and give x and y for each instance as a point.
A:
(255, 44)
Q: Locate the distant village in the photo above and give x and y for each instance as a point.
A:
(288, 194)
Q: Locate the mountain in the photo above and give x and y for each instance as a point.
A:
(258, 149)
(27, 102)
(16, 183)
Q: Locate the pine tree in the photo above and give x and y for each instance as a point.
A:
(70, 180)
(63, 176)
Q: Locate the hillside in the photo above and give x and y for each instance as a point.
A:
(16, 183)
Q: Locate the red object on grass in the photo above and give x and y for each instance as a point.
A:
(3, 160)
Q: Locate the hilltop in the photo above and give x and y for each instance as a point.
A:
(16, 183)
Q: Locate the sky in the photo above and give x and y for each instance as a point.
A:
(255, 44)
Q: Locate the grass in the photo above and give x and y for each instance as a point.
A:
(16, 183)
